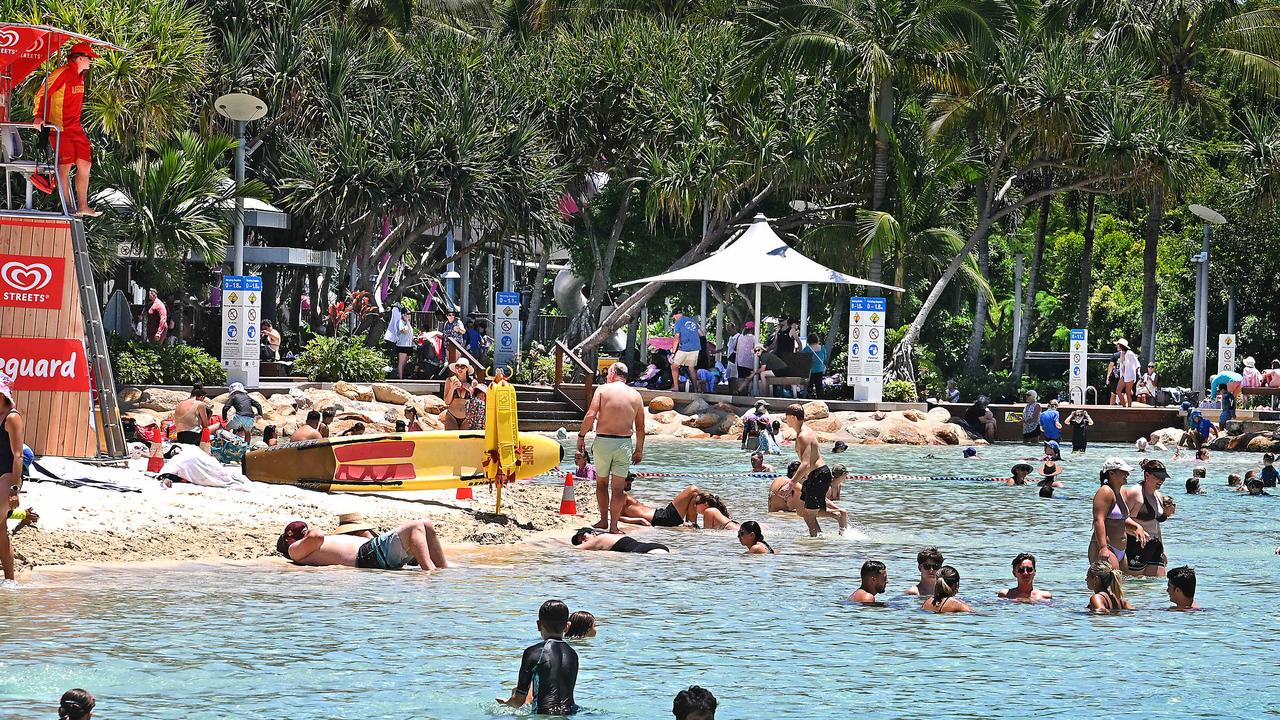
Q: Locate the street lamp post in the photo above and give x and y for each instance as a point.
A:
(1201, 330)
(241, 108)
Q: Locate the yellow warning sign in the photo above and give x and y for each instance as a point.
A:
(875, 318)
(253, 298)
(233, 298)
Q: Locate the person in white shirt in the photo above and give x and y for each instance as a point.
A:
(1127, 366)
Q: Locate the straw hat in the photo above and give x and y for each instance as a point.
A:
(461, 362)
(352, 522)
(1123, 343)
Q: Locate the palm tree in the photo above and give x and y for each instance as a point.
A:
(888, 47)
(1178, 39)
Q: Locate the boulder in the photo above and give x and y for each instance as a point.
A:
(825, 425)
(161, 399)
(902, 432)
(914, 415)
(1166, 436)
(1233, 427)
(354, 417)
(392, 394)
(1262, 443)
(863, 431)
(129, 395)
(696, 407)
(431, 404)
(432, 422)
(667, 417)
(730, 426)
(301, 400)
(939, 414)
(706, 421)
(342, 425)
(725, 408)
(661, 404)
(651, 426)
(347, 390)
(816, 410)
(947, 434)
(282, 404)
(879, 415)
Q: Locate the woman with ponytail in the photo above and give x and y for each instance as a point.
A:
(76, 704)
(752, 538)
(944, 598)
(1108, 589)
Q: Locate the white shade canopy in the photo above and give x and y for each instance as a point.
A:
(759, 256)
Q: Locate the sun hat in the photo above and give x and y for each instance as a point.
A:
(761, 403)
(758, 347)
(840, 446)
(1122, 343)
(237, 387)
(461, 362)
(351, 522)
(1115, 463)
(751, 325)
(1025, 467)
(1155, 467)
(1250, 362)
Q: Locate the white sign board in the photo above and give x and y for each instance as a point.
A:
(1078, 379)
(506, 329)
(1227, 353)
(241, 328)
(865, 372)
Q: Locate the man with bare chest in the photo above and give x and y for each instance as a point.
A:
(616, 412)
(191, 417)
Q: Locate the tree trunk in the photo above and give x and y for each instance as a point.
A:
(1086, 264)
(535, 302)
(900, 279)
(1033, 277)
(980, 308)
(834, 326)
(880, 170)
(1151, 246)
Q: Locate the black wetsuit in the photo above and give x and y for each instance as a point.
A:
(813, 491)
(629, 544)
(242, 404)
(550, 669)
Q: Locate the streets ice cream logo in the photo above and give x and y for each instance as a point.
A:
(33, 282)
(9, 38)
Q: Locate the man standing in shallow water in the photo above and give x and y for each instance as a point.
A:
(813, 475)
(616, 411)
(1024, 571)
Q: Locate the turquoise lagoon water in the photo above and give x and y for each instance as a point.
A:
(770, 635)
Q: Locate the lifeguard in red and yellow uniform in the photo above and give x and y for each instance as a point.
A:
(59, 101)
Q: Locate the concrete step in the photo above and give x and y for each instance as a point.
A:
(557, 415)
(537, 425)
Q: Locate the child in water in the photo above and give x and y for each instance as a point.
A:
(549, 669)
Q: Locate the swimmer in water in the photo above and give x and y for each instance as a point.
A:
(1107, 587)
(1019, 474)
(1233, 482)
(715, 514)
(596, 539)
(970, 453)
(752, 538)
(838, 475)
(1255, 487)
(929, 561)
(548, 669)
(758, 465)
(875, 578)
(1202, 455)
(1193, 486)
(582, 624)
(676, 513)
(1111, 517)
(1024, 571)
(1182, 588)
(1049, 472)
(782, 497)
(944, 598)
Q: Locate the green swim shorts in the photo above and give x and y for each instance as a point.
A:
(612, 456)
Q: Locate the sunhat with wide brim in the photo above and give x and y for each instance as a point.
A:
(1122, 343)
(460, 362)
(1250, 362)
(1115, 463)
(352, 522)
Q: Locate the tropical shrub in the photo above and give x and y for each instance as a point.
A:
(344, 357)
(899, 391)
(138, 363)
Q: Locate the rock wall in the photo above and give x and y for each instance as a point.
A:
(723, 421)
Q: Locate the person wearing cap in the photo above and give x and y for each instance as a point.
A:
(353, 523)
(452, 328)
(58, 102)
(743, 349)
(1200, 430)
(754, 422)
(1112, 520)
(12, 461)
(767, 363)
(688, 343)
(1051, 422)
(244, 407)
(1151, 509)
(457, 391)
(1127, 367)
(392, 550)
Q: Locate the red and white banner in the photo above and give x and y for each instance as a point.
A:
(45, 364)
(31, 281)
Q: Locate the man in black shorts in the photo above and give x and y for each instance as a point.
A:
(813, 475)
(596, 539)
(674, 514)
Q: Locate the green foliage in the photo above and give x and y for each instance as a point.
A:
(137, 363)
(899, 391)
(535, 367)
(345, 357)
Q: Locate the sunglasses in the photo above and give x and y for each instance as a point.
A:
(1025, 570)
(931, 566)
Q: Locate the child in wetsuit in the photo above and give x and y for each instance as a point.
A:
(1269, 474)
(549, 669)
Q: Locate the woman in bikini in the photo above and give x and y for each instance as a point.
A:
(12, 462)
(1153, 509)
(1108, 590)
(457, 391)
(945, 588)
(752, 538)
(715, 514)
(1111, 521)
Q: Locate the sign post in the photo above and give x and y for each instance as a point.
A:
(241, 331)
(506, 322)
(1079, 378)
(865, 372)
(1227, 353)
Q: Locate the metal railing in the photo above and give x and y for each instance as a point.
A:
(588, 376)
(453, 349)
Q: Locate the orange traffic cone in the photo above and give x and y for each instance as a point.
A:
(568, 504)
(464, 493)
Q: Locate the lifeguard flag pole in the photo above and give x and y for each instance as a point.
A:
(501, 435)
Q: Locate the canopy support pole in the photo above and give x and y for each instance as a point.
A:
(755, 359)
(804, 315)
(720, 331)
(702, 318)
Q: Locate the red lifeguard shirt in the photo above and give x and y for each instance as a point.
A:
(65, 88)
